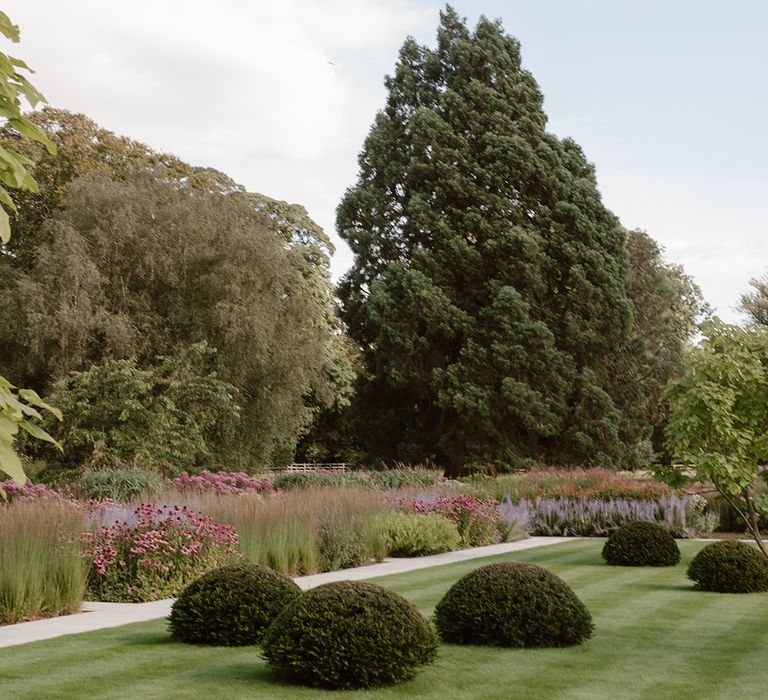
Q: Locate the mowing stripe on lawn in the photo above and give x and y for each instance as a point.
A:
(655, 638)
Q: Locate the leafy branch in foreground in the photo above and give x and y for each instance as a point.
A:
(718, 422)
(17, 406)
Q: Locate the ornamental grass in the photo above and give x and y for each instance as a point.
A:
(42, 573)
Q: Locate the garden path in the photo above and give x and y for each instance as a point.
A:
(96, 616)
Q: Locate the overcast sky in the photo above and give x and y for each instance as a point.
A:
(668, 99)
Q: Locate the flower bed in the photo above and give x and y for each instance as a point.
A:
(151, 552)
(28, 492)
(221, 482)
(591, 517)
(592, 483)
(478, 520)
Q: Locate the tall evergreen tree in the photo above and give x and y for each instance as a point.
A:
(490, 282)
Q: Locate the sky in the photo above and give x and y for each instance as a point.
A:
(668, 99)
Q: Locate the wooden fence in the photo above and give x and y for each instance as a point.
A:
(316, 466)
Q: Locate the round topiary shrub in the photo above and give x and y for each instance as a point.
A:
(349, 634)
(512, 604)
(641, 544)
(231, 606)
(729, 567)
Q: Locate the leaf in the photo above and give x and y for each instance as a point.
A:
(5, 226)
(11, 465)
(8, 428)
(8, 28)
(32, 397)
(37, 432)
(32, 131)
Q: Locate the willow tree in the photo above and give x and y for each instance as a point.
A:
(490, 282)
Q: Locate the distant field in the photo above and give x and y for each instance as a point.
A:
(655, 638)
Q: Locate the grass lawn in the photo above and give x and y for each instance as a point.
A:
(655, 638)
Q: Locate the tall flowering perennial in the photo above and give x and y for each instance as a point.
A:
(594, 482)
(590, 517)
(154, 551)
(221, 482)
(477, 520)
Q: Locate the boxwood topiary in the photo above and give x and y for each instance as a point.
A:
(349, 634)
(512, 604)
(231, 606)
(641, 544)
(729, 567)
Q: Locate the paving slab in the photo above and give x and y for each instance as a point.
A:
(96, 616)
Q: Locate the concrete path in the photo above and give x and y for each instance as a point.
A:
(96, 616)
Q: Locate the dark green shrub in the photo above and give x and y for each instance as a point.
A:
(349, 634)
(413, 535)
(404, 478)
(231, 606)
(119, 484)
(511, 604)
(641, 544)
(729, 567)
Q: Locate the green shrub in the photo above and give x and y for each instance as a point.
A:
(512, 604)
(119, 484)
(169, 412)
(302, 480)
(729, 567)
(349, 634)
(412, 535)
(405, 478)
(641, 544)
(231, 606)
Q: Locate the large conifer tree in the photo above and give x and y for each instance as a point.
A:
(490, 282)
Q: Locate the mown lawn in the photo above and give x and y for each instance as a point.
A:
(655, 638)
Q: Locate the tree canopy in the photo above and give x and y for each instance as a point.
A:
(718, 422)
(127, 253)
(490, 283)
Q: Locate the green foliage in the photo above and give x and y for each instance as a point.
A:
(729, 567)
(490, 283)
(331, 436)
(125, 253)
(755, 302)
(641, 544)
(718, 422)
(17, 406)
(412, 535)
(667, 306)
(512, 604)
(167, 413)
(349, 635)
(14, 167)
(18, 409)
(119, 484)
(231, 606)
(405, 478)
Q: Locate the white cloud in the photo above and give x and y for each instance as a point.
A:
(716, 229)
(268, 92)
